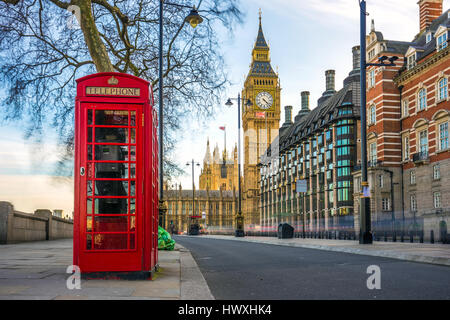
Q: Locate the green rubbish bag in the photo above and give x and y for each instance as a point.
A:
(165, 241)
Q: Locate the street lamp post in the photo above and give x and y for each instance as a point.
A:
(193, 191)
(239, 232)
(365, 234)
(193, 19)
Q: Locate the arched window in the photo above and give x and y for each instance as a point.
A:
(422, 99)
(442, 89)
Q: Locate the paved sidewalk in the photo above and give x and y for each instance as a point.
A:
(417, 252)
(37, 270)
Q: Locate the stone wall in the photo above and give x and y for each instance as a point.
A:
(18, 226)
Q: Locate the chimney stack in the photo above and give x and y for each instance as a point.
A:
(330, 80)
(288, 114)
(356, 50)
(429, 10)
(305, 100)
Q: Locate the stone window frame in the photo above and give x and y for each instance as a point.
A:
(444, 43)
(438, 89)
(419, 144)
(412, 177)
(372, 114)
(386, 204)
(436, 172)
(437, 200)
(373, 158)
(371, 78)
(405, 112)
(411, 61)
(420, 126)
(419, 99)
(381, 181)
(439, 135)
(413, 202)
(405, 147)
(441, 117)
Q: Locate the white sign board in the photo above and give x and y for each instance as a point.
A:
(203, 215)
(301, 186)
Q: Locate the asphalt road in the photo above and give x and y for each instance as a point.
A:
(242, 270)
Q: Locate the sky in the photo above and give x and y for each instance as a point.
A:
(306, 37)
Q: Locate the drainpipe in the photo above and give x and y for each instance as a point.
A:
(391, 178)
(401, 169)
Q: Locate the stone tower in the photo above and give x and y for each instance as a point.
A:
(260, 122)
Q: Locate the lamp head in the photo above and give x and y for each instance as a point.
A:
(248, 103)
(229, 103)
(194, 19)
(392, 59)
(382, 59)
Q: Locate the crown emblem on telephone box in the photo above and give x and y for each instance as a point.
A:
(113, 81)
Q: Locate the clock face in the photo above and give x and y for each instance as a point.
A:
(264, 100)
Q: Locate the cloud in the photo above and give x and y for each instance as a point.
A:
(30, 192)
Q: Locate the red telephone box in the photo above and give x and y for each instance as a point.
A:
(116, 177)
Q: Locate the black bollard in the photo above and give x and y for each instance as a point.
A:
(432, 236)
(394, 237)
(385, 236)
(411, 238)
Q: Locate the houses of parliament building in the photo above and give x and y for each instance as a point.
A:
(216, 199)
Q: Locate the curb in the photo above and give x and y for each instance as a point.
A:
(375, 253)
(193, 284)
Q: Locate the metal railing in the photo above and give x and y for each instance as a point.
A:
(420, 156)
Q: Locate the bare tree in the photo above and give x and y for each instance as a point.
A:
(43, 50)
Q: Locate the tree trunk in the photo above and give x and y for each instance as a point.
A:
(94, 43)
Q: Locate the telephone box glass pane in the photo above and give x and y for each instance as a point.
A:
(110, 241)
(111, 188)
(132, 188)
(89, 224)
(132, 223)
(89, 241)
(89, 121)
(132, 135)
(110, 224)
(133, 118)
(132, 205)
(133, 171)
(111, 170)
(89, 134)
(111, 206)
(89, 155)
(132, 241)
(111, 117)
(89, 188)
(111, 153)
(111, 135)
(89, 206)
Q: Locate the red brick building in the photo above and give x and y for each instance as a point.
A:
(408, 113)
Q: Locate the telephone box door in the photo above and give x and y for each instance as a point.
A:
(111, 202)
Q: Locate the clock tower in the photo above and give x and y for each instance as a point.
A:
(260, 122)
